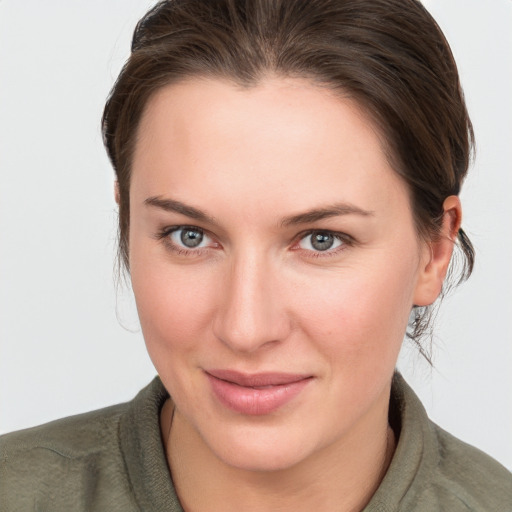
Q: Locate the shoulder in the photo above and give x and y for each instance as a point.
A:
(469, 476)
(72, 437)
(62, 462)
(433, 470)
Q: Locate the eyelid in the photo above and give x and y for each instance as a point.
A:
(164, 236)
(346, 240)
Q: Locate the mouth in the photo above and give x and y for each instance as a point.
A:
(255, 394)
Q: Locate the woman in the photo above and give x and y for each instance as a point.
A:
(288, 177)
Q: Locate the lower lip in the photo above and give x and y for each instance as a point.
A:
(255, 401)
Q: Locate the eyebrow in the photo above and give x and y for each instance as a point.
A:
(171, 205)
(317, 214)
(335, 210)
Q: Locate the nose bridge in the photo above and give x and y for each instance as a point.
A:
(250, 314)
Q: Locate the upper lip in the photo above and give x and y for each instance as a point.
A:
(257, 379)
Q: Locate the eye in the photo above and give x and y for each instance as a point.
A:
(320, 241)
(188, 237)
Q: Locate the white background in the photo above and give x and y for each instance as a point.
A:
(62, 347)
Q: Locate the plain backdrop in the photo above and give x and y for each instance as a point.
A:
(70, 342)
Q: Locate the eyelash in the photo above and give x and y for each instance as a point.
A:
(164, 236)
(346, 241)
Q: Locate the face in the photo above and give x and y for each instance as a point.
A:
(274, 261)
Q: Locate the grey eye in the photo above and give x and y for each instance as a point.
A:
(191, 238)
(320, 241)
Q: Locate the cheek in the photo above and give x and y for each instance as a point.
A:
(359, 315)
(174, 306)
(174, 315)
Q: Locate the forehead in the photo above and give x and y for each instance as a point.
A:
(283, 140)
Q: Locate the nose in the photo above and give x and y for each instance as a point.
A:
(251, 312)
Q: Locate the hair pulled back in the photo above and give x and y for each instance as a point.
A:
(388, 55)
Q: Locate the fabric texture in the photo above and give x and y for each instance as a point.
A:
(113, 460)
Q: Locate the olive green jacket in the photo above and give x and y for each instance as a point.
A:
(113, 460)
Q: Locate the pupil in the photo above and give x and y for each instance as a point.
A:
(191, 237)
(322, 241)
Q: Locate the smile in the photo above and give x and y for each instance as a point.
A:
(256, 394)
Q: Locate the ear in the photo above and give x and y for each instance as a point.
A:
(117, 194)
(437, 255)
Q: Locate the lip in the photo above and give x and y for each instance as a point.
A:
(255, 394)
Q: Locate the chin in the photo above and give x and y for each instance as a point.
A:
(263, 461)
(261, 450)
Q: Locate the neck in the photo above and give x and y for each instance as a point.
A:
(341, 477)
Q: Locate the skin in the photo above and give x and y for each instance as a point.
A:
(256, 296)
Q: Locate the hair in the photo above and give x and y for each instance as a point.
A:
(390, 56)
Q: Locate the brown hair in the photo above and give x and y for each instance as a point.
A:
(389, 55)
